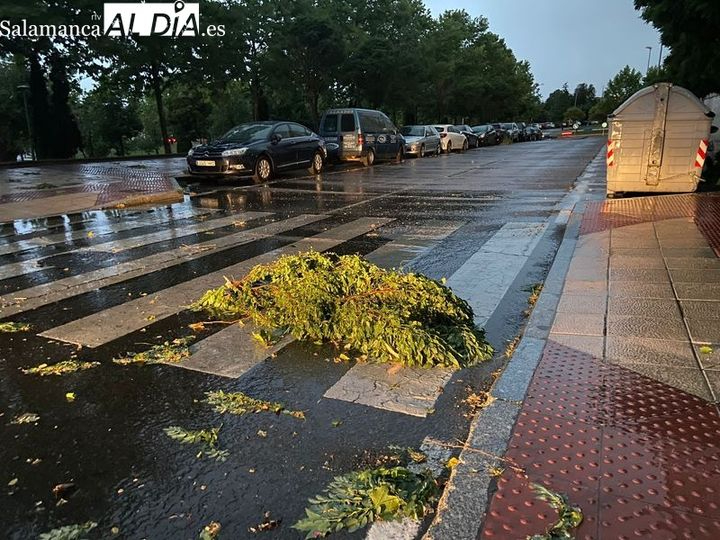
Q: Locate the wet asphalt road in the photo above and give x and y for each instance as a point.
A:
(109, 442)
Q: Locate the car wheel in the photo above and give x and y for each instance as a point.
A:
(316, 165)
(422, 151)
(263, 169)
(448, 147)
(369, 158)
(464, 146)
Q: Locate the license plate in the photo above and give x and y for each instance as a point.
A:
(205, 163)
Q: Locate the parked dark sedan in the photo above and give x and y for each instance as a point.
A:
(472, 138)
(260, 149)
(487, 135)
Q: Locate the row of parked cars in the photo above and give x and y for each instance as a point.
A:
(263, 149)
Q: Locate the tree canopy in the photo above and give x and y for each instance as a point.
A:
(287, 59)
(690, 29)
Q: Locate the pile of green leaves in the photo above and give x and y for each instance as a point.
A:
(239, 403)
(354, 500)
(169, 352)
(14, 327)
(388, 316)
(206, 438)
(60, 368)
(569, 517)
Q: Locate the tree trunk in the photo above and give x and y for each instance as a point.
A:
(157, 90)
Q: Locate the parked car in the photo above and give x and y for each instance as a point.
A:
(421, 140)
(472, 139)
(533, 133)
(451, 138)
(260, 149)
(361, 135)
(501, 131)
(513, 131)
(487, 135)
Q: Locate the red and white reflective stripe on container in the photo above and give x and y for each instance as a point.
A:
(610, 153)
(701, 153)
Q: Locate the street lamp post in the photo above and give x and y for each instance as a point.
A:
(25, 88)
(649, 48)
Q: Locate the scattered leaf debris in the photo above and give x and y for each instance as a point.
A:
(354, 500)
(267, 524)
(26, 418)
(511, 346)
(337, 423)
(210, 531)
(60, 368)
(14, 326)
(196, 327)
(169, 352)
(69, 532)
(569, 517)
(239, 403)
(206, 438)
(706, 349)
(70, 396)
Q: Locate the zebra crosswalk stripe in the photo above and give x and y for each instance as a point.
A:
(105, 326)
(115, 246)
(68, 287)
(99, 229)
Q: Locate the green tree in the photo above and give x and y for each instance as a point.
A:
(108, 120)
(66, 137)
(557, 103)
(309, 49)
(14, 138)
(189, 108)
(690, 29)
(574, 114)
(656, 75)
(584, 96)
(618, 89)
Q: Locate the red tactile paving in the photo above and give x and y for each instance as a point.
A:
(641, 459)
(704, 208)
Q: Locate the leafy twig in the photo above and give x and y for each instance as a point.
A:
(569, 517)
(207, 438)
(239, 403)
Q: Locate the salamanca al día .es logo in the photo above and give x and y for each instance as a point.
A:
(173, 19)
(176, 19)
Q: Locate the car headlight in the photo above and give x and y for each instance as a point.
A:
(234, 152)
(191, 152)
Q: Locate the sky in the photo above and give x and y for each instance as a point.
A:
(569, 41)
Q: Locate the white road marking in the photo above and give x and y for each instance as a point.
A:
(107, 325)
(74, 285)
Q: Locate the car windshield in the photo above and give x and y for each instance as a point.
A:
(507, 126)
(440, 128)
(417, 131)
(247, 133)
(480, 129)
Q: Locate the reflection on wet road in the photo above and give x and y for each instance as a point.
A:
(99, 284)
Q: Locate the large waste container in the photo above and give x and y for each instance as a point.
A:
(657, 142)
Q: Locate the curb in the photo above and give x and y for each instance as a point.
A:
(82, 161)
(174, 195)
(462, 508)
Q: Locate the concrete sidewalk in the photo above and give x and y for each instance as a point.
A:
(43, 190)
(621, 414)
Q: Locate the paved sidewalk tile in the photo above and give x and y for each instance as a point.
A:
(620, 415)
(583, 325)
(632, 325)
(638, 289)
